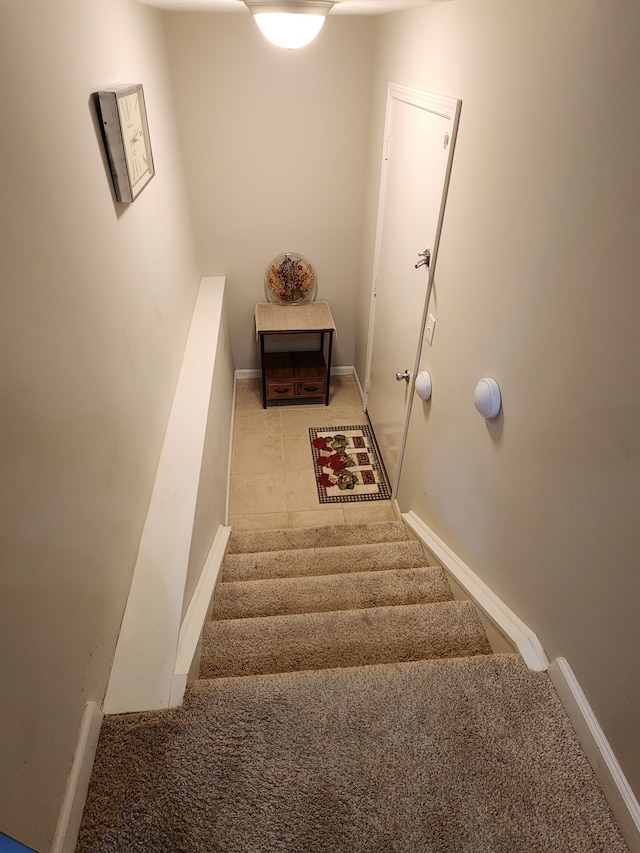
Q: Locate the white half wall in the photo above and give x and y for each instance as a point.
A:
(143, 669)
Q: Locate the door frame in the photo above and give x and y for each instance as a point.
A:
(448, 108)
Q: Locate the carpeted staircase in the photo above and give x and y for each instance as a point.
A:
(346, 703)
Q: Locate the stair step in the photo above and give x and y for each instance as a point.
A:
(248, 541)
(323, 561)
(346, 638)
(472, 755)
(324, 593)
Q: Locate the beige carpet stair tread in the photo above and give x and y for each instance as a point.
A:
(346, 638)
(330, 592)
(245, 541)
(323, 561)
(455, 756)
(373, 726)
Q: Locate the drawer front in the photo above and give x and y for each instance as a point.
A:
(280, 390)
(311, 388)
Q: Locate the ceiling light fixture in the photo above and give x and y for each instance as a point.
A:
(290, 23)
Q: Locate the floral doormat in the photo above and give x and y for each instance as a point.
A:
(346, 465)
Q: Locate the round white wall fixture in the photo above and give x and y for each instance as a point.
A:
(487, 398)
(423, 385)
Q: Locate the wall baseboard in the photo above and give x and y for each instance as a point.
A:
(508, 625)
(256, 373)
(356, 379)
(249, 373)
(613, 782)
(344, 370)
(75, 794)
(396, 508)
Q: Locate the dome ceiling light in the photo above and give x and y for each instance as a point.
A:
(290, 23)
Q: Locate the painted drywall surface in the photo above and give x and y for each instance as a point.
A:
(275, 151)
(144, 663)
(536, 285)
(211, 501)
(96, 300)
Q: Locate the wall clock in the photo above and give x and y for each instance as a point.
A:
(126, 135)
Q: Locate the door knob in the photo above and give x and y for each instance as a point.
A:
(401, 376)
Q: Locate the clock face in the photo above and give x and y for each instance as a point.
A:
(135, 140)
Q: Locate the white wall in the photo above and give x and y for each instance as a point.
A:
(95, 303)
(536, 285)
(275, 150)
(211, 504)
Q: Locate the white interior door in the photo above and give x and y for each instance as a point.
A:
(419, 137)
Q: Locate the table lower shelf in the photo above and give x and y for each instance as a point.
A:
(295, 375)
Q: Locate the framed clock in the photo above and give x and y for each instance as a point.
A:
(126, 136)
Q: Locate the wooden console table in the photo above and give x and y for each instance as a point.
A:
(295, 375)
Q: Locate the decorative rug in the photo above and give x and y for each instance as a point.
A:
(346, 465)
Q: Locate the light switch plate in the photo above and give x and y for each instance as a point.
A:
(431, 325)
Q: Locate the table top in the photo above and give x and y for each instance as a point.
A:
(271, 318)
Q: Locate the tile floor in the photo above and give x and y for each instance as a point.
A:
(272, 477)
